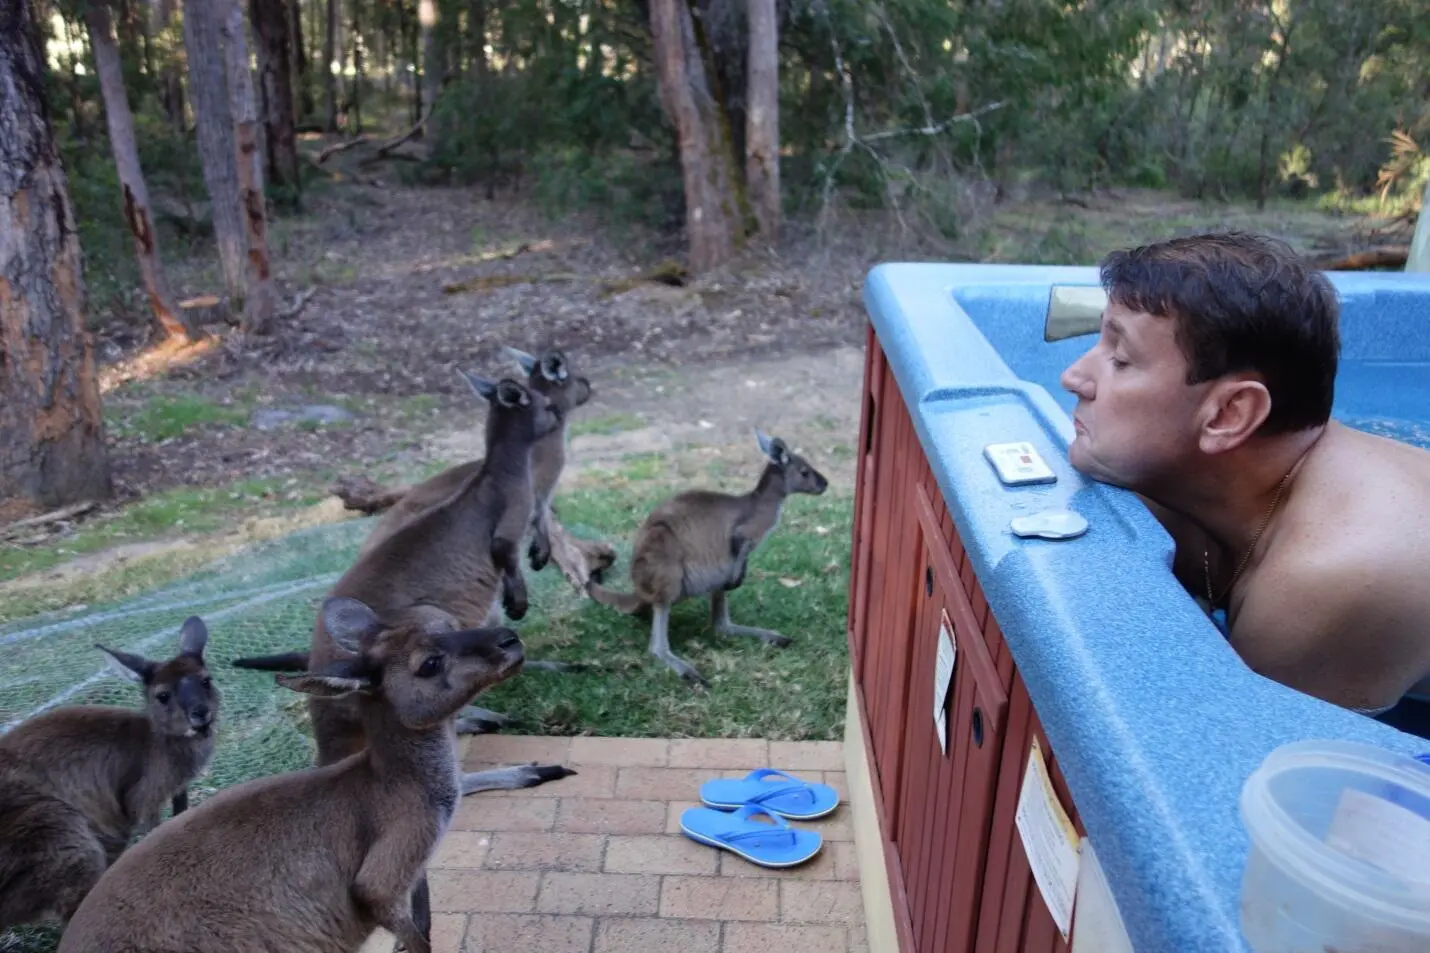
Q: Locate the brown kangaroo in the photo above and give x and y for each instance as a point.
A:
(77, 783)
(550, 375)
(445, 566)
(313, 861)
(699, 542)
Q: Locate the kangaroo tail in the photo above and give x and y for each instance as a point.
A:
(627, 602)
(284, 662)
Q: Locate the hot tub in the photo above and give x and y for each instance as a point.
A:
(1085, 654)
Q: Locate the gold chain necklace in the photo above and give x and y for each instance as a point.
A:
(1265, 522)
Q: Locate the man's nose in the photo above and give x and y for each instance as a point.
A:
(1076, 380)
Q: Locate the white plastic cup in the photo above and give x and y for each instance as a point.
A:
(1340, 851)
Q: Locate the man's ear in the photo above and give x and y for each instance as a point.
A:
(1233, 411)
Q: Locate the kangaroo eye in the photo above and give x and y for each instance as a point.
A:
(431, 665)
(208, 682)
(162, 697)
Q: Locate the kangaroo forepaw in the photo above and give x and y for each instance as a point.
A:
(480, 721)
(539, 552)
(778, 641)
(513, 598)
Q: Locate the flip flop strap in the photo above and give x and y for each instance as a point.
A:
(759, 774)
(779, 791)
(749, 810)
(767, 831)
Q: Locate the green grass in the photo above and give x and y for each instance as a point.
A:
(165, 416)
(796, 584)
(180, 511)
(606, 424)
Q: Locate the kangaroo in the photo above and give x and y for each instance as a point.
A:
(699, 542)
(445, 566)
(77, 783)
(312, 861)
(551, 375)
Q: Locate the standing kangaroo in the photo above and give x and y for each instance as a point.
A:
(551, 375)
(78, 782)
(312, 861)
(445, 567)
(699, 542)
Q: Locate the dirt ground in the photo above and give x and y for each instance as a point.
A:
(402, 284)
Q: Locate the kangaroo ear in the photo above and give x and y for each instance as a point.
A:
(136, 668)
(527, 362)
(773, 447)
(193, 637)
(323, 686)
(347, 621)
(484, 388)
(511, 394)
(553, 366)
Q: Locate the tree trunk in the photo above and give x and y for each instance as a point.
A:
(431, 68)
(272, 30)
(762, 118)
(330, 82)
(208, 89)
(357, 67)
(261, 302)
(477, 27)
(300, 59)
(712, 223)
(51, 428)
(131, 177)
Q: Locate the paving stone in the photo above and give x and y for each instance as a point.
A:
(461, 849)
(661, 784)
(672, 814)
(482, 891)
(658, 854)
(513, 850)
(795, 757)
(482, 813)
(821, 867)
(529, 934)
(784, 938)
(609, 816)
(651, 935)
(729, 753)
(599, 894)
(649, 752)
(719, 898)
(814, 901)
(518, 749)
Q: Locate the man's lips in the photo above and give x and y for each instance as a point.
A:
(1078, 425)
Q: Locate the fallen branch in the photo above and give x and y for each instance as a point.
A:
(488, 282)
(45, 519)
(407, 136)
(1386, 256)
(332, 150)
(299, 303)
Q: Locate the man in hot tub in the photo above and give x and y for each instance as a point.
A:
(1209, 394)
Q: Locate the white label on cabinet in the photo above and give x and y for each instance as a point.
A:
(942, 679)
(1049, 840)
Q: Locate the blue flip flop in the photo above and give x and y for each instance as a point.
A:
(797, 800)
(768, 845)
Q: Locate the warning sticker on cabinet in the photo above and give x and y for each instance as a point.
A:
(1049, 840)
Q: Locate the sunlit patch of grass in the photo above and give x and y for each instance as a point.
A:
(165, 416)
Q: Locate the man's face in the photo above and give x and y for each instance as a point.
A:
(1136, 417)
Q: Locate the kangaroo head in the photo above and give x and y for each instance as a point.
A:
(551, 374)
(799, 476)
(515, 409)
(423, 676)
(180, 698)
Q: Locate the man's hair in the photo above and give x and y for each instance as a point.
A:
(1241, 303)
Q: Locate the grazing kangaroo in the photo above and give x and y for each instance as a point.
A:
(699, 542)
(445, 567)
(312, 861)
(78, 782)
(551, 375)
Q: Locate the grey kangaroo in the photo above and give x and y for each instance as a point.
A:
(78, 782)
(551, 375)
(446, 566)
(312, 861)
(699, 542)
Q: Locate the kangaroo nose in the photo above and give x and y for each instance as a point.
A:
(199, 716)
(509, 641)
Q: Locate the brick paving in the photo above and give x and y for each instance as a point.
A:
(595, 863)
